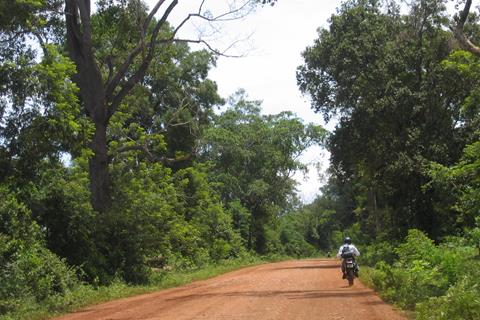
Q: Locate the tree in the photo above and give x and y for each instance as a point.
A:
(458, 29)
(254, 157)
(105, 83)
(379, 73)
(39, 108)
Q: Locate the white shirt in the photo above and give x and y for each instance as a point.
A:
(351, 247)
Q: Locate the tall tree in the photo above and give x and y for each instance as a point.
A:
(254, 158)
(104, 84)
(379, 73)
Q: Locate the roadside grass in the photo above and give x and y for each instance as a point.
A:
(366, 276)
(86, 295)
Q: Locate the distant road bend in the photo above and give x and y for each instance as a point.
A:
(301, 290)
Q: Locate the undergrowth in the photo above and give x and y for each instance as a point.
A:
(437, 282)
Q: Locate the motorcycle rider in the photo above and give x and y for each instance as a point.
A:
(348, 247)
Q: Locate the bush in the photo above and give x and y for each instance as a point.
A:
(407, 286)
(294, 243)
(29, 272)
(415, 276)
(417, 246)
(425, 274)
(382, 251)
(36, 272)
(461, 302)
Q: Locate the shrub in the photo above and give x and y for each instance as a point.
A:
(418, 274)
(461, 302)
(29, 272)
(407, 286)
(383, 251)
(417, 246)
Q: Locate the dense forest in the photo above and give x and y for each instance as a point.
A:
(120, 161)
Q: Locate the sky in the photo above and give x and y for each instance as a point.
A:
(270, 40)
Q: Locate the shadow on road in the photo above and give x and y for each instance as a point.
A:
(289, 294)
(323, 266)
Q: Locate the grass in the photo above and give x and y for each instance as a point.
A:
(86, 295)
(366, 276)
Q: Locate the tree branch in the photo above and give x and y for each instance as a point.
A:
(126, 87)
(216, 51)
(151, 15)
(458, 30)
(113, 82)
(143, 149)
(114, 98)
(152, 158)
(84, 9)
(218, 18)
(74, 34)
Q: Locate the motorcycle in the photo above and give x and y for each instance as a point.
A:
(350, 265)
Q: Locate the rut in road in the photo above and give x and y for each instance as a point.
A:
(301, 289)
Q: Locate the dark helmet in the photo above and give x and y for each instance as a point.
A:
(347, 240)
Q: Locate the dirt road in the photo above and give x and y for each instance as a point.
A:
(302, 290)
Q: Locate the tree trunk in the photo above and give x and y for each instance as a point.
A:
(98, 165)
(92, 92)
(373, 207)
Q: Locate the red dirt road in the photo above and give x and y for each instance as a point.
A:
(302, 290)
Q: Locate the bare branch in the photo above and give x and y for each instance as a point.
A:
(14, 36)
(464, 13)
(233, 12)
(216, 51)
(40, 39)
(151, 15)
(114, 81)
(108, 61)
(170, 123)
(201, 6)
(218, 18)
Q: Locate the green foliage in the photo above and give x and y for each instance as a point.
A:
(381, 251)
(253, 156)
(460, 302)
(18, 18)
(60, 204)
(41, 118)
(417, 246)
(28, 270)
(294, 243)
(191, 188)
(380, 73)
(208, 234)
(462, 180)
(408, 286)
(425, 274)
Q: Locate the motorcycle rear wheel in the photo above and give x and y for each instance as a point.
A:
(350, 277)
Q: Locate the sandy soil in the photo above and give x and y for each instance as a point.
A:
(303, 290)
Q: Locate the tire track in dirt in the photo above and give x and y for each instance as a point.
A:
(301, 289)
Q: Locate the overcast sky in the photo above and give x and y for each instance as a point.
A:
(273, 39)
